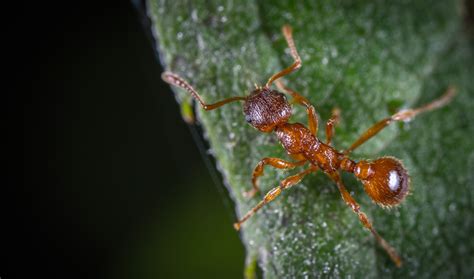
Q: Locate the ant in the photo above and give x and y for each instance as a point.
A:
(385, 179)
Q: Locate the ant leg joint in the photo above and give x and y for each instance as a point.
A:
(404, 115)
(237, 226)
(272, 194)
(274, 162)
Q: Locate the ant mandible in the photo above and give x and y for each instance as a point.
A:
(385, 180)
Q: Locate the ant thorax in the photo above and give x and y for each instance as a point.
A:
(296, 138)
(266, 109)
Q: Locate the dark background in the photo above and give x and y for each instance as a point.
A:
(104, 179)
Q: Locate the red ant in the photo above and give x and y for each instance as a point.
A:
(385, 180)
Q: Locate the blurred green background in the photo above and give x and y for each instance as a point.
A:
(104, 179)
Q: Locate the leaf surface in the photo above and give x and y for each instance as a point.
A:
(370, 59)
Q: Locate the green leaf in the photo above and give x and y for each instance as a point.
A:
(370, 59)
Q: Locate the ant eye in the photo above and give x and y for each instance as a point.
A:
(248, 118)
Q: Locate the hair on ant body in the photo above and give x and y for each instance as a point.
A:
(385, 180)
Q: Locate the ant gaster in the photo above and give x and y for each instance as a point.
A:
(385, 180)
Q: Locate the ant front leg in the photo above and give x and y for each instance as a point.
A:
(275, 192)
(331, 124)
(299, 99)
(176, 80)
(403, 115)
(350, 201)
(274, 162)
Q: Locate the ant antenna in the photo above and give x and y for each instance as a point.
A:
(176, 80)
(287, 32)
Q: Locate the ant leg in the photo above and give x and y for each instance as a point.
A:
(403, 115)
(332, 122)
(297, 157)
(274, 162)
(364, 219)
(176, 80)
(312, 116)
(275, 192)
(287, 32)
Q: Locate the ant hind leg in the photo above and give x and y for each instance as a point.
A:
(350, 201)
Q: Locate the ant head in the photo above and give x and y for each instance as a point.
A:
(385, 180)
(265, 109)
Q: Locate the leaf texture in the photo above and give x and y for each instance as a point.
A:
(370, 59)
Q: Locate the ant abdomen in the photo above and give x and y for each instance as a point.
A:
(385, 180)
